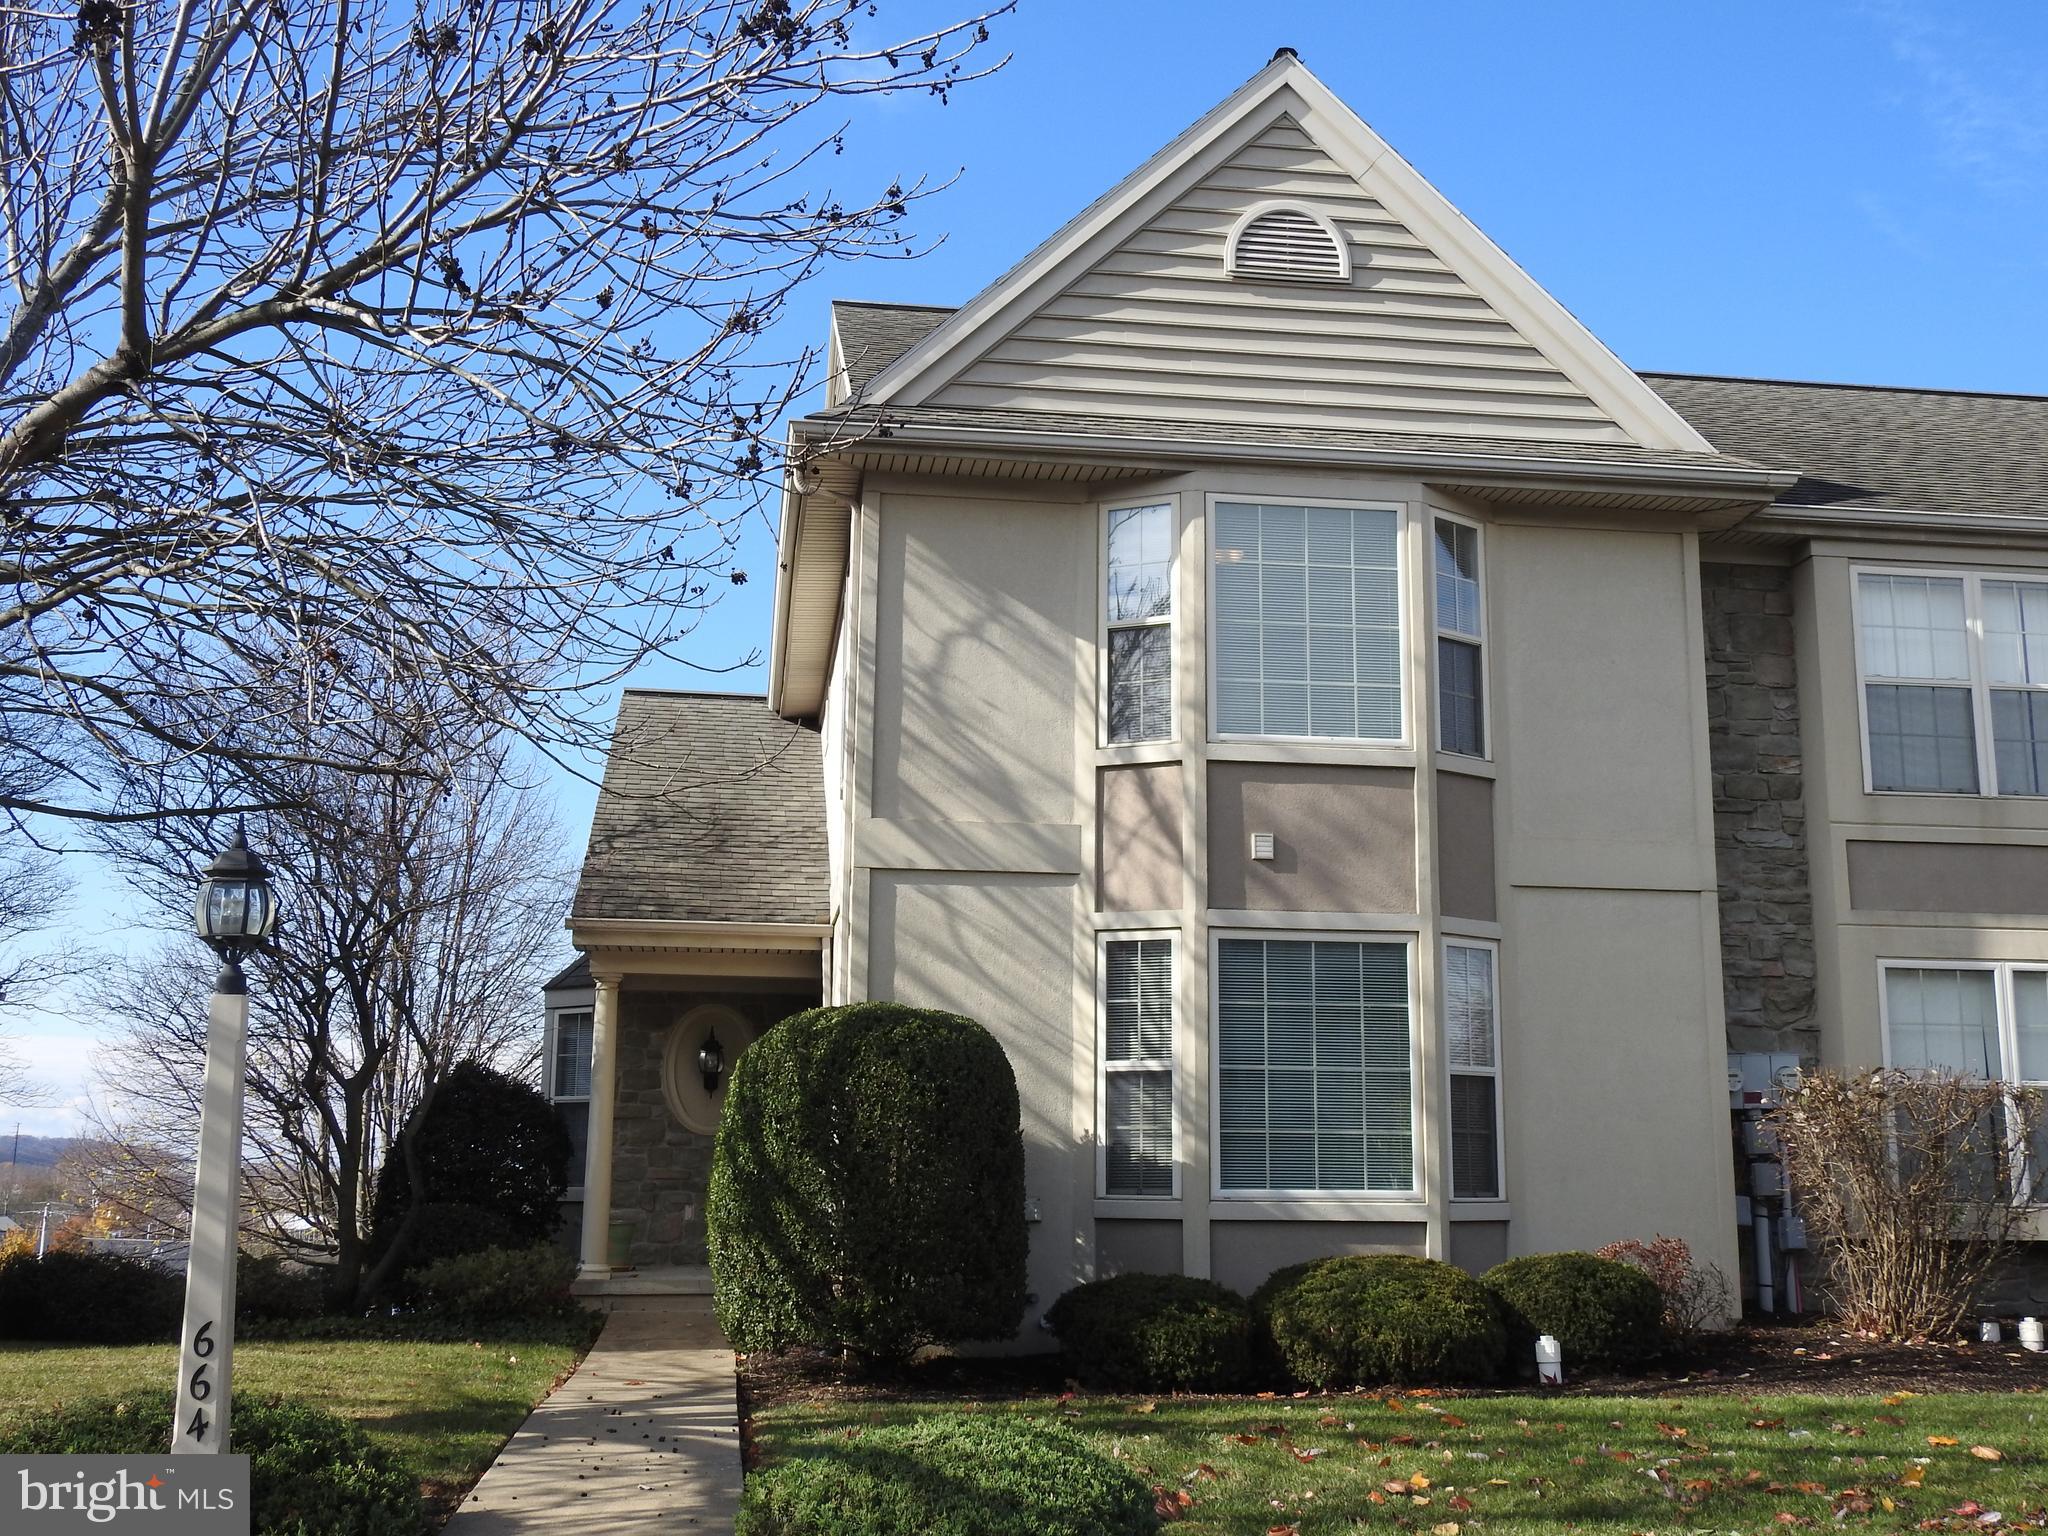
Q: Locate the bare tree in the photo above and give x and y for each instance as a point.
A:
(419, 915)
(398, 331)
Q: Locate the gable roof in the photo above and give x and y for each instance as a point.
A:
(1284, 132)
(1858, 446)
(712, 810)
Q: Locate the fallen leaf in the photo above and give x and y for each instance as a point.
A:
(1897, 1398)
(1766, 1423)
(1418, 1480)
(1171, 1505)
(1283, 1530)
(1460, 1503)
(1452, 1421)
(1910, 1478)
(1987, 1453)
(1302, 1455)
(1889, 1418)
(1448, 1528)
(1244, 1439)
(1942, 1440)
(1146, 1408)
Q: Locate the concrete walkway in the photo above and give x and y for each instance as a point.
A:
(643, 1437)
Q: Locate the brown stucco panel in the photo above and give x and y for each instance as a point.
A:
(1464, 847)
(1948, 877)
(1138, 838)
(1344, 838)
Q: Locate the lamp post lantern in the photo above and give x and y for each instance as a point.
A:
(235, 913)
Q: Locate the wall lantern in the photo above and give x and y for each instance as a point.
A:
(711, 1062)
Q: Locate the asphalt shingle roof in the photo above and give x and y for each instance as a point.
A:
(1854, 445)
(712, 810)
(872, 336)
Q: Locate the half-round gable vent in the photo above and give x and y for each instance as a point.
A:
(1288, 243)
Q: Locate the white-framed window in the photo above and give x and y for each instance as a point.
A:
(1953, 670)
(1139, 1152)
(1138, 579)
(1314, 1066)
(1306, 619)
(568, 1081)
(1472, 1041)
(1460, 638)
(1985, 1019)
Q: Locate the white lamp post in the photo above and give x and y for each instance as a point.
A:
(236, 911)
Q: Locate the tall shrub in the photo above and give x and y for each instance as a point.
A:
(867, 1189)
(1907, 1182)
(488, 1142)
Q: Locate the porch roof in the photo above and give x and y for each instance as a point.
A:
(712, 811)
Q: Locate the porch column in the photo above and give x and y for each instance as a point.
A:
(597, 1168)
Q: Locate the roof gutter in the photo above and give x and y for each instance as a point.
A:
(673, 933)
(1738, 481)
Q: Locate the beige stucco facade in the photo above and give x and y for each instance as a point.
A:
(994, 837)
(1901, 877)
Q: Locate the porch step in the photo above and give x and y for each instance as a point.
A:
(663, 1280)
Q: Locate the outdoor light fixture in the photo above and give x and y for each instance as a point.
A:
(711, 1061)
(236, 909)
(234, 914)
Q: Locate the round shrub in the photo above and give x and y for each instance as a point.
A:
(1607, 1315)
(486, 1141)
(1384, 1318)
(310, 1473)
(88, 1298)
(949, 1474)
(1154, 1333)
(867, 1187)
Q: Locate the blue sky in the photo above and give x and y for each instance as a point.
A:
(1836, 189)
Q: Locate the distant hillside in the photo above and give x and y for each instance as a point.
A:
(36, 1151)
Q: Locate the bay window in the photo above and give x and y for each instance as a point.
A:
(1314, 1075)
(1472, 1038)
(1460, 637)
(1137, 1067)
(1306, 613)
(1138, 641)
(1954, 675)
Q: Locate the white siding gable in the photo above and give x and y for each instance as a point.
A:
(1159, 328)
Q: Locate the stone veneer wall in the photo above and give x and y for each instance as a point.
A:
(660, 1170)
(1759, 815)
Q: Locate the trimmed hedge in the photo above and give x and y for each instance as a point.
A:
(88, 1298)
(949, 1474)
(867, 1188)
(1360, 1321)
(310, 1473)
(272, 1289)
(1154, 1333)
(1606, 1314)
(497, 1285)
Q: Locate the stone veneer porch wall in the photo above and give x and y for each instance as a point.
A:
(1767, 957)
(660, 1170)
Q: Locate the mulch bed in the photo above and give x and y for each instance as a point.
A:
(1755, 1358)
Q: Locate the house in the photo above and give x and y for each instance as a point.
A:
(1368, 755)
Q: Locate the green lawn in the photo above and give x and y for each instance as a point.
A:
(1527, 1464)
(445, 1409)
